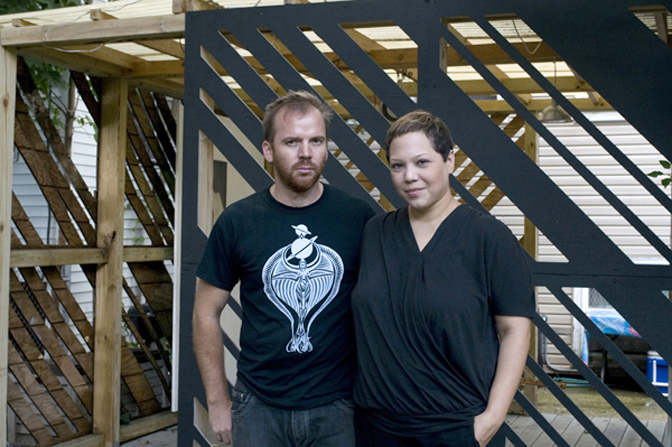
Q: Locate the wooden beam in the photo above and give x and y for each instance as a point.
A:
(82, 62)
(43, 257)
(85, 441)
(177, 255)
(111, 169)
(169, 47)
(531, 245)
(122, 30)
(147, 254)
(146, 425)
(7, 109)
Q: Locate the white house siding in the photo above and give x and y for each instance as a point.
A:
(626, 188)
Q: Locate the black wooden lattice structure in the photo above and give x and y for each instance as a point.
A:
(604, 43)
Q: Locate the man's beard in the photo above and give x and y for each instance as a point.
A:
(297, 182)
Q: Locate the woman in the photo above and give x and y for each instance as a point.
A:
(441, 308)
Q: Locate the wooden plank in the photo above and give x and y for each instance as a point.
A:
(168, 119)
(107, 368)
(159, 127)
(147, 254)
(8, 62)
(51, 343)
(586, 439)
(559, 423)
(615, 430)
(92, 440)
(26, 415)
(657, 428)
(41, 399)
(631, 438)
(37, 257)
(531, 245)
(122, 30)
(151, 138)
(573, 432)
(146, 425)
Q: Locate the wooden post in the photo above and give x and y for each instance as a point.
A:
(8, 101)
(206, 154)
(177, 257)
(107, 320)
(531, 244)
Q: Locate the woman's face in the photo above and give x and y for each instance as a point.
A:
(419, 173)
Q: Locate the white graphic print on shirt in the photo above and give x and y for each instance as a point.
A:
(301, 279)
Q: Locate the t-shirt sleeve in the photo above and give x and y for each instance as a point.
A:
(216, 266)
(511, 289)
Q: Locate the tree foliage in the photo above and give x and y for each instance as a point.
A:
(14, 6)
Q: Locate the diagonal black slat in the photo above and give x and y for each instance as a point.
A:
(333, 80)
(617, 55)
(230, 346)
(237, 67)
(229, 146)
(582, 242)
(364, 67)
(340, 132)
(513, 436)
(540, 419)
(466, 195)
(566, 401)
(599, 386)
(352, 99)
(611, 347)
(578, 116)
(555, 143)
(231, 104)
(262, 94)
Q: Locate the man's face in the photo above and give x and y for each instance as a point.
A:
(298, 150)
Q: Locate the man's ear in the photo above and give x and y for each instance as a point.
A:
(268, 151)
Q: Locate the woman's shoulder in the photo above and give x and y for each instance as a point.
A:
(483, 222)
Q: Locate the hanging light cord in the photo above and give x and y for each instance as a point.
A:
(521, 39)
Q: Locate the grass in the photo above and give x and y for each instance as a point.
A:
(594, 405)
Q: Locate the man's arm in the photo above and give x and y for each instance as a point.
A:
(209, 349)
(514, 334)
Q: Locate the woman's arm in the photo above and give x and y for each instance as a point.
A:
(514, 334)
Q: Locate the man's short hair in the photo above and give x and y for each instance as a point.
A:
(294, 101)
(435, 130)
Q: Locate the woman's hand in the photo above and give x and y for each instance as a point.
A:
(485, 428)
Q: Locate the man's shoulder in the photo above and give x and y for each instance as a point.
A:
(347, 201)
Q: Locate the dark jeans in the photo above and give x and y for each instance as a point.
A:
(257, 424)
(369, 435)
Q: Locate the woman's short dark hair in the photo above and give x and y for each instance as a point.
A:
(435, 130)
(294, 101)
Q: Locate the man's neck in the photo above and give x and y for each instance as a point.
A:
(295, 199)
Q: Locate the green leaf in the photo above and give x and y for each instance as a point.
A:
(665, 164)
(654, 174)
(666, 181)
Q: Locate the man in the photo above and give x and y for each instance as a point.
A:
(295, 250)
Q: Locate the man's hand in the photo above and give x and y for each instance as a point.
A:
(220, 421)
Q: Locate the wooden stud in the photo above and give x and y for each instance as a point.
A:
(107, 335)
(8, 62)
(206, 153)
(531, 244)
(38, 257)
(169, 26)
(177, 260)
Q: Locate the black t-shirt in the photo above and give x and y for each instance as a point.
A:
(426, 340)
(297, 268)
